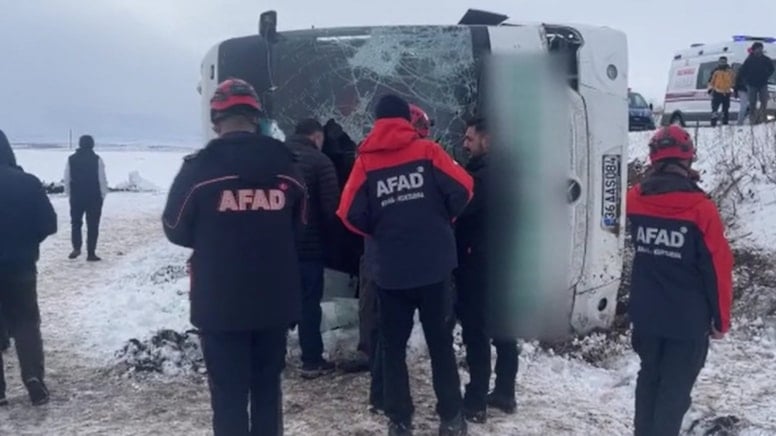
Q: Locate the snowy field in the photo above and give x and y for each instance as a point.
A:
(90, 311)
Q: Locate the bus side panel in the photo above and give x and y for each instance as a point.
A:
(207, 86)
(603, 74)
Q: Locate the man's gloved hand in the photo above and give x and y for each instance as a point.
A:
(709, 91)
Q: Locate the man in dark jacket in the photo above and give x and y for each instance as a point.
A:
(323, 197)
(239, 203)
(472, 285)
(403, 194)
(681, 285)
(27, 218)
(87, 186)
(756, 71)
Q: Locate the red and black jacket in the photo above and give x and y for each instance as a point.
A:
(240, 203)
(404, 192)
(681, 281)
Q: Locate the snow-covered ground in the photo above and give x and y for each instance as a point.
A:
(90, 311)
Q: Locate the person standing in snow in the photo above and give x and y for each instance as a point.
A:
(756, 71)
(472, 284)
(681, 285)
(87, 186)
(369, 313)
(721, 84)
(26, 220)
(239, 203)
(740, 93)
(402, 195)
(323, 197)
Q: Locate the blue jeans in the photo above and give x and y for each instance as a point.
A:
(310, 325)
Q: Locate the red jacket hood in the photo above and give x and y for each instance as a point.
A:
(389, 134)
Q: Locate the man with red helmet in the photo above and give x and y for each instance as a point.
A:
(681, 286)
(239, 203)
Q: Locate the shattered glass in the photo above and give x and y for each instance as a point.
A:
(340, 74)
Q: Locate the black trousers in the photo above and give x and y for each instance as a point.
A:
(397, 310)
(92, 208)
(310, 340)
(669, 368)
(245, 367)
(471, 308)
(717, 100)
(19, 311)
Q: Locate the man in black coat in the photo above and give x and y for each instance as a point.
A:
(323, 197)
(473, 296)
(87, 186)
(27, 218)
(755, 72)
(239, 203)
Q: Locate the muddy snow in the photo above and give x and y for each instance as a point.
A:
(121, 359)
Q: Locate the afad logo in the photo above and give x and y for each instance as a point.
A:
(662, 237)
(243, 200)
(403, 182)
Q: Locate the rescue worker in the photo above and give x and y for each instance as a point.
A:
(323, 197)
(402, 196)
(720, 85)
(472, 285)
(369, 314)
(26, 220)
(681, 287)
(756, 71)
(87, 187)
(239, 203)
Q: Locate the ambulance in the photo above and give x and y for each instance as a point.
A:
(687, 101)
(338, 73)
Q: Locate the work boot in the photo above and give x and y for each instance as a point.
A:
(399, 429)
(314, 370)
(504, 403)
(74, 254)
(39, 394)
(476, 416)
(454, 427)
(92, 258)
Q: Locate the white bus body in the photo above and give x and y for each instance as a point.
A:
(337, 72)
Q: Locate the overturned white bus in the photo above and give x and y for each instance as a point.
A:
(337, 73)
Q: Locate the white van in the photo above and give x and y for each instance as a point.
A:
(338, 73)
(687, 101)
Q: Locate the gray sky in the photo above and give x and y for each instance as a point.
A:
(128, 70)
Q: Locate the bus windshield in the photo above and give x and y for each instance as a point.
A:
(338, 73)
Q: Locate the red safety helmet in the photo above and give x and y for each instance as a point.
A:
(231, 94)
(671, 142)
(420, 121)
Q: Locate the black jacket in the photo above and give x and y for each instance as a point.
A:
(84, 176)
(682, 271)
(240, 203)
(471, 239)
(756, 70)
(322, 197)
(26, 215)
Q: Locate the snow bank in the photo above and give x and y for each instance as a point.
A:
(158, 167)
(136, 183)
(167, 352)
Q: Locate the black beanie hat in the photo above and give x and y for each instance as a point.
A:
(392, 106)
(86, 141)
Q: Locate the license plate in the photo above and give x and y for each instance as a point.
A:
(611, 189)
